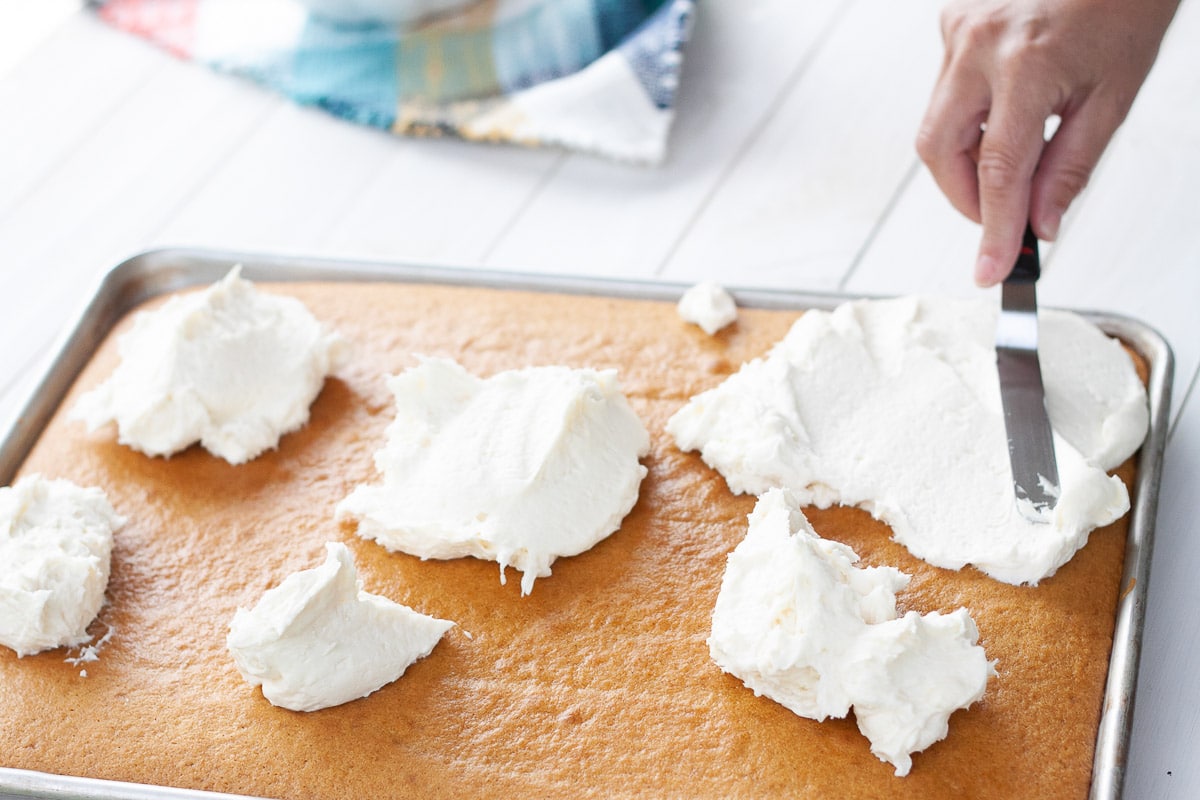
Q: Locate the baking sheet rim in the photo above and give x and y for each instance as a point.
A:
(155, 272)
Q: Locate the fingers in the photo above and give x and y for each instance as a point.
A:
(948, 139)
(1068, 161)
(1010, 64)
(1008, 156)
(986, 175)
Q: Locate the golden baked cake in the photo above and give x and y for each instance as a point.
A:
(597, 684)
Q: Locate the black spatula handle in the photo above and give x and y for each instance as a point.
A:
(1028, 267)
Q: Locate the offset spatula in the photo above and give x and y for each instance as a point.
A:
(1030, 439)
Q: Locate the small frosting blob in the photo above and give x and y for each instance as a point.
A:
(708, 305)
(229, 367)
(797, 621)
(56, 542)
(318, 640)
(521, 468)
(894, 406)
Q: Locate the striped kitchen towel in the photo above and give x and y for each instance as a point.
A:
(598, 76)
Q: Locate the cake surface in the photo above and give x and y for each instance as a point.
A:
(598, 683)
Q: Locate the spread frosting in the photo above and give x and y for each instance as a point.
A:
(229, 367)
(56, 543)
(520, 468)
(318, 640)
(894, 406)
(708, 305)
(797, 621)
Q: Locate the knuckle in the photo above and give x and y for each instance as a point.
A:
(1070, 179)
(997, 34)
(1030, 57)
(1033, 31)
(952, 18)
(1028, 47)
(985, 28)
(978, 34)
(999, 168)
(969, 27)
(1113, 106)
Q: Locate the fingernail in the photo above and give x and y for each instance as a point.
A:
(1050, 223)
(987, 271)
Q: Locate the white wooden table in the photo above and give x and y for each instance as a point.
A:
(791, 165)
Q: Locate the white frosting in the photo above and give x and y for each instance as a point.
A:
(796, 621)
(55, 550)
(229, 367)
(520, 468)
(894, 406)
(708, 305)
(318, 640)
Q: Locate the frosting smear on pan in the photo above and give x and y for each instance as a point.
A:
(230, 367)
(797, 621)
(519, 468)
(318, 640)
(894, 406)
(56, 543)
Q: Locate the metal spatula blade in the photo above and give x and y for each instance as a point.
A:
(1030, 437)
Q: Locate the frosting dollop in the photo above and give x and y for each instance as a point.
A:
(708, 305)
(519, 468)
(894, 406)
(56, 542)
(318, 640)
(797, 621)
(229, 367)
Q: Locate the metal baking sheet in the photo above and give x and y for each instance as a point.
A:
(161, 271)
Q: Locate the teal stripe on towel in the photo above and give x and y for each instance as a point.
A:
(347, 70)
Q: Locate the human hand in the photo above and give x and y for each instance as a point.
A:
(1009, 66)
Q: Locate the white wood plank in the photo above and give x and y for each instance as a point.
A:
(307, 182)
(123, 179)
(924, 246)
(109, 195)
(25, 25)
(14, 391)
(283, 187)
(595, 217)
(55, 97)
(438, 201)
(1165, 744)
(806, 195)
